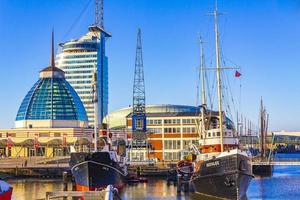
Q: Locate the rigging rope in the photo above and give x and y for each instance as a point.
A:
(77, 20)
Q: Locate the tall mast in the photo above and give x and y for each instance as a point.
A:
(95, 101)
(219, 77)
(52, 60)
(203, 97)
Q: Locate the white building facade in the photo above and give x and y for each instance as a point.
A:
(79, 59)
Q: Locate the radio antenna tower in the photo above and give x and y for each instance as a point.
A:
(139, 129)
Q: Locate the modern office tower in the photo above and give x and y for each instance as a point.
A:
(79, 59)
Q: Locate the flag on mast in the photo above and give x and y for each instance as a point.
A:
(237, 74)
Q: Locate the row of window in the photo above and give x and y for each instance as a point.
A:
(170, 121)
(87, 97)
(80, 56)
(154, 121)
(172, 130)
(155, 130)
(188, 130)
(84, 45)
(78, 61)
(82, 87)
(214, 134)
(188, 121)
(84, 92)
(172, 144)
(171, 156)
(78, 67)
(79, 77)
(79, 72)
(80, 82)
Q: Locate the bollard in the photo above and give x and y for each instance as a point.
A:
(186, 183)
(65, 182)
(179, 184)
(16, 171)
(73, 188)
(138, 171)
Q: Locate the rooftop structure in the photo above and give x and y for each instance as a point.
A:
(51, 102)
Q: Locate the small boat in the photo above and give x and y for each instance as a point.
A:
(5, 190)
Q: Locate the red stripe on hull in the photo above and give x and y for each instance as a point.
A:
(6, 195)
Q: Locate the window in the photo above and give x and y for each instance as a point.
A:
(172, 130)
(139, 124)
(11, 134)
(155, 130)
(56, 134)
(171, 156)
(188, 130)
(171, 121)
(154, 121)
(172, 144)
(188, 121)
(51, 99)
(44, 135)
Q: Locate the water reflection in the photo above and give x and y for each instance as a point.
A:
(29, 189)
(154, 189)
(284, 184)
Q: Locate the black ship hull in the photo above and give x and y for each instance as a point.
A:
(227, 177)
(95, 171)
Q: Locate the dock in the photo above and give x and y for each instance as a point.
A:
(109, 193)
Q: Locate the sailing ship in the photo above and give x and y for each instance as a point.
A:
(98, 169)
(221, 169)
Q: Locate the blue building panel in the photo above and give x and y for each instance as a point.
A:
(51, 99)
(139, 123)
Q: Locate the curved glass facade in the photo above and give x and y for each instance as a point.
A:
(52, 99)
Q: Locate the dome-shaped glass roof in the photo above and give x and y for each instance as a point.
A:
(52, 98)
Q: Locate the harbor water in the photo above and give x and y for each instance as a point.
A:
(283, 184)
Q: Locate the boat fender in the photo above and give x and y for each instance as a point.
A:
(242, 165)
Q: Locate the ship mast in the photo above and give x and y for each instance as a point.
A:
(203, 97)
(216, 14)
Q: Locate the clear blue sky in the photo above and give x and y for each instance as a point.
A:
(261, 36)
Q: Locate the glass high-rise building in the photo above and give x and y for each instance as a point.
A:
(79, 59)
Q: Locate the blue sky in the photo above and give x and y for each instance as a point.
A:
(260, 36)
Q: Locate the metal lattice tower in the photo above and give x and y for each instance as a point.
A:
(139, 83)
(99, 16)
(139, 129)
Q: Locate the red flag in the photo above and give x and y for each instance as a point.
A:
(237, 74)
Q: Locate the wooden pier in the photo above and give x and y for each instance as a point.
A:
(109, 193)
